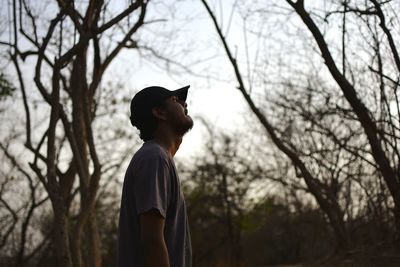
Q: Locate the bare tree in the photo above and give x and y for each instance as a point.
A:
(325, 199)
(362, 149)
(68, 49)
(383, 144)
(19, 215)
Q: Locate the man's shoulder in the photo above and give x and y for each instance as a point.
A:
(150, 150)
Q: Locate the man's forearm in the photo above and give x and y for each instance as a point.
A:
(156, 253)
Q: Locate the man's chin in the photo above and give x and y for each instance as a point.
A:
(185, 127)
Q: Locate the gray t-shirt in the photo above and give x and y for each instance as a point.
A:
(151, 182)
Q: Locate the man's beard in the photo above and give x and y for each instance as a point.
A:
(181, 128)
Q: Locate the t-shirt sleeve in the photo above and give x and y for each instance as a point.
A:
(151, 186)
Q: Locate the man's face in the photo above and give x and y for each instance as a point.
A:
(177, 115)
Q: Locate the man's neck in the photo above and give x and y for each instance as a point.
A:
(168, 141)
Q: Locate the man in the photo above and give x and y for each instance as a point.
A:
(153, 225)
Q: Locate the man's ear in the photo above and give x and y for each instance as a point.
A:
(159, 113)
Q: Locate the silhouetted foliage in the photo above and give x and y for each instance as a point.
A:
(6, 87)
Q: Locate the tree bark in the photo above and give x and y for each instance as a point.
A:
(78, 85)
(94, 241)
(60, 235)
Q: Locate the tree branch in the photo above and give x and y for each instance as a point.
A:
(122, 15)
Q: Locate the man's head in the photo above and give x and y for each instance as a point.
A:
(156, 105)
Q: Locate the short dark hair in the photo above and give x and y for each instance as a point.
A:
(147, 124)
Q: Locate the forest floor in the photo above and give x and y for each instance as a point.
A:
(359, 260)
(355, 259)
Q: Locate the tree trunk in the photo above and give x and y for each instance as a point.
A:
(60, 235)
(79, 88)
(94, 241)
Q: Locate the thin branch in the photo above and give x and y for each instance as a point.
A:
(387, 32)
(68, 7)
(127, 37)
(122, 15)
(41, 56)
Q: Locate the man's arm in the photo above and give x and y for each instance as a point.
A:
(152, 237)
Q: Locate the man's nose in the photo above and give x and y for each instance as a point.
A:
(183, 103)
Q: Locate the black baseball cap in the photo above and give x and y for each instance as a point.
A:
(148, 98)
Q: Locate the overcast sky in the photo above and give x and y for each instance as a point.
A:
(183, 32)
(213, 95)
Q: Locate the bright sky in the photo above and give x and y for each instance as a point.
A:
(217, 100)
(184, 33)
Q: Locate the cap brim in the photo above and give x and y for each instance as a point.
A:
(181, 93)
